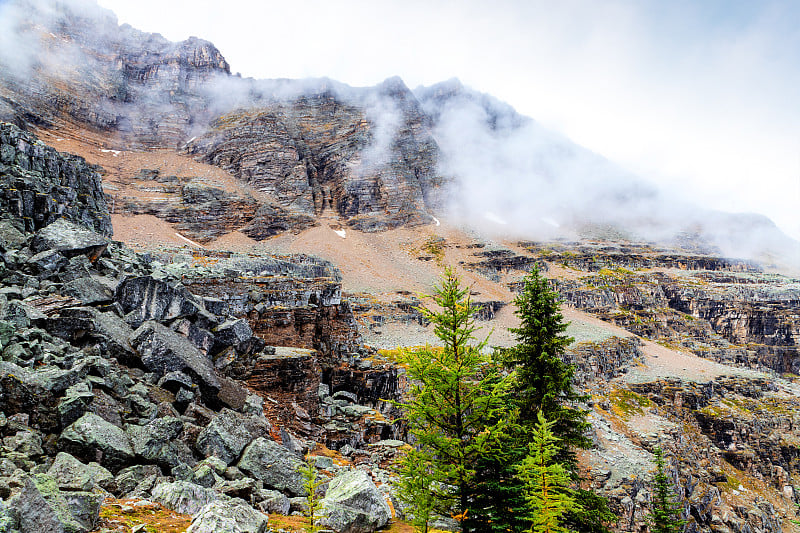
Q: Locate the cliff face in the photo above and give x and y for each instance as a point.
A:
(364, 155)
(319, 154)
(75, 66)
(41, 185)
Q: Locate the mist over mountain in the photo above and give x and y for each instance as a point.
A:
(377, 157)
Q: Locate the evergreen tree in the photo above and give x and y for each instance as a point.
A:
(544, 381)
(666, 511)
(312, 482)
(546, 481)
(455, 409)
(543, 385)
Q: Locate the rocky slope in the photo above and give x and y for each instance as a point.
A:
(141, 375)
(365, 155)
(164, 376)
(172, 377)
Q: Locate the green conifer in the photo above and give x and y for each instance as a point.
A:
(666, 511)
(455, 406)
(546, 480)
(311, 484)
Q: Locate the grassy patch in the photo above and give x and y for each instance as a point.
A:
(626, 403)
(124, 515)
(288, 523)
(435, 247)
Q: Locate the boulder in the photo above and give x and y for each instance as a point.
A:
(41, 506)
(234, 333)
(106, 330)
(10, 237)
(353, 504)
(21, 394)
(9, 519)
(91, 290)
(129, 478)
(273, 464)
(145, 298)
(155, 442)
(75, 403)
(232, 516)
(70, 239)
(272, 501)
(71, 474)
(92, 438)
(184, 497)
(225, 437)
(25, 442)
(47, 262)
(163, 350)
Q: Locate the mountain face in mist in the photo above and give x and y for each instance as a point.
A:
(375, 158)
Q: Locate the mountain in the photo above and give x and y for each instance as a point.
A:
(273, 238)
(375, 158)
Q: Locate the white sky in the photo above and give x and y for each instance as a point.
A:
(700, 97)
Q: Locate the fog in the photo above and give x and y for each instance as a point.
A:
(510, 174)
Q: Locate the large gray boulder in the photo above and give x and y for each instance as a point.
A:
(145, 298)
(106, 330)
(273, 464)
(225, 437)
(92, 438)
(232, 516)
(163, 350)
(70, 239)
(41, 506)
(184, 497)
(234, 333)
(353, 504)
(272, 501)
(71, 474)
(128, 479)
(156, 442)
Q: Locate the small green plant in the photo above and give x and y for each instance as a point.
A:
(435, 246)
(312, 482)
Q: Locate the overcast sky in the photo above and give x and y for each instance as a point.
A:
(697, 95)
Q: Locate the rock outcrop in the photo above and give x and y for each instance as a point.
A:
(40, 185)
(122, 375)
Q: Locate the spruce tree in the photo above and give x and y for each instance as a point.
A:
(666, 511)
(543, 385)
(544, 381)
(455, 408)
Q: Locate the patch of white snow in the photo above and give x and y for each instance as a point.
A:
(436, 220)
(340, 232)
(190, 241)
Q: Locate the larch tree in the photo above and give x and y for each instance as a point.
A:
(455, 408)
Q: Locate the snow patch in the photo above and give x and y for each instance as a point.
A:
(115, 152)
(436, 220)
(190, 241)
(340, 232)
